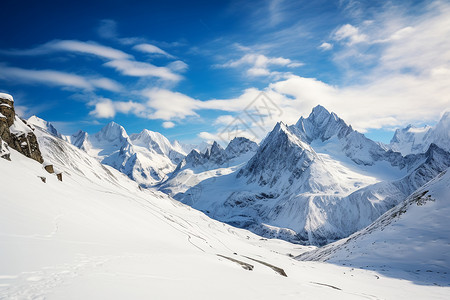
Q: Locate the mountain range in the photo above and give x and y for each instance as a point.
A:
(313, 182)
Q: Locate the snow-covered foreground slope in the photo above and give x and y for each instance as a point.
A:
(96, 235)
(414, 237)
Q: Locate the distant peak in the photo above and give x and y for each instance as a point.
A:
(216, 145)
(147, 132)
(112, 124)
(321, 124)
(79, 132)
(112, 130)
(319, 109)
(280, 126)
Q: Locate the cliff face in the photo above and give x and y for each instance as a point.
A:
(15, 132)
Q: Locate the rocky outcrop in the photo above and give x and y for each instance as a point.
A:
(15, 132)
(49, 168)
(4, 150)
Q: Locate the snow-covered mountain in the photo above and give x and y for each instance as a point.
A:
(313, 182)
(213, 162)
(413, 236)
(95, 233)
(47, 126)
(147, 157)
(98, 235)
(417, 139)
(158, 143)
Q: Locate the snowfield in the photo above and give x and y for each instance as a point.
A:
(412, 237)
(97, 235)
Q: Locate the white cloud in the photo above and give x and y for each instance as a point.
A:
(168, 124)
(91, 48)
(258, 72)
(326, 46)
(106, 108)
(106, 84)
(142, 69)
(57, 78)
(224, 120)
(167, 105)
(350, 34)
(259, 65)
(209, 137)
(178, 66)
(119, 60)
(152, 49)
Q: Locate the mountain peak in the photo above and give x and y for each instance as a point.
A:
(318, 110)
(36, 121)
(321, 124)
(413, 140)
(112, 131)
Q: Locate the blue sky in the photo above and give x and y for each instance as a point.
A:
(190, 69)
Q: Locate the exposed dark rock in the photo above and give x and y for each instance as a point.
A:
(43, 179)
(24, 141)
(49, 168)
(59, 176)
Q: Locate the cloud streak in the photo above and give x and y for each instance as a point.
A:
(142, 69)
(57, 78)
(259, 65)
(90, 48)
(151, 49)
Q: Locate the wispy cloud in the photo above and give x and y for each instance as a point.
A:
(326, 46)
(81, 47)
(142, 69)
(259, 65)
(349, 34)
(57, 78)
(168, 124)
(152, 49)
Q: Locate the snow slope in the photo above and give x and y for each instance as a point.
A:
(417, 139)
(96, 235)
(414, 236)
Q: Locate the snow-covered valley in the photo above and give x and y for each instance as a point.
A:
(96, 235)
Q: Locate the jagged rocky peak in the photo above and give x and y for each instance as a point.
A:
(215, 150)
(281, 132)
(321, 124)
(240, 145)
(280, 153)
(15, 132)
(79, 139)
